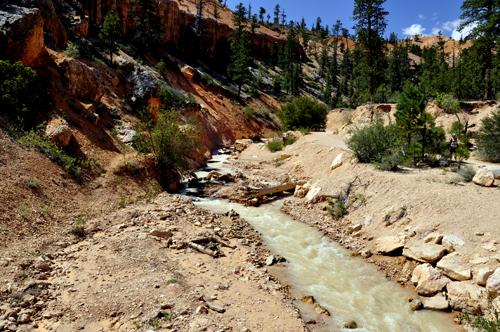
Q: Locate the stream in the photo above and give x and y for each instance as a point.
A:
(349, 287)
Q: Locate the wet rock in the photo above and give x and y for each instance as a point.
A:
(484, 178)
(388, 244)
(455, 266)
(320, 310)
(308, 299)
(438, 302)
(493, 283)
(58, 131)
(466, 296)
(416, 305)
(429, 280)
(337, 162)
(350, 324)
(481, 275)
(83, 81)
(452, 242)
(425, 252)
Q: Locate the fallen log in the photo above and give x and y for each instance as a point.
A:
(277, 189)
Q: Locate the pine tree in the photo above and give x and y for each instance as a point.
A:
(370, 27)
(262, 12)
(485, 15)
(292, 67)
(148, 25)
(277, 10)
(216, 9)
(283, 17)
(240, 48)
(111, 33)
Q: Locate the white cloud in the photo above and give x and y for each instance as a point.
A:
(435, 31)
(421, 17)
(451, 25)
(415, 29)
(465, 32)
(434, 17)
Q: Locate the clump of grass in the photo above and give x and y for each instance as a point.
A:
(274, 145)
(171, 281)
(44, 210)
(114, 131)
(32, 182)
(467, 173)
(249, 112)
(336, 209)
(489, 322)
(78, 229)
(277, 162)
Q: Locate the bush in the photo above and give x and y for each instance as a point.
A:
(207, 80)
(303, 112)
(375, 143)
(467, 173)
(32, 182)
(168, 139)
(336, 209)
(490, 322)
(249, 112)
(72, 51)
(275, 144)
(488, 140)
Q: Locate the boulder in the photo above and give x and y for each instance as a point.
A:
(58, 131)
(466, 296)
(433, 238)
(452, 242)
(189, 72)
(484, 178)
(144, 85)
(493, 283)
(388, 244)
(83, 81)
(429, 280)
(494, 169)
(425, 252)
(21, 34)
(337, 162)
(481, 275)
(242, 144)
(455, 266)
(313, 195)
(300, 191)
(438, 302)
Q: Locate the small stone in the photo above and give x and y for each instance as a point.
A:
(160, 233)
(350, 324)
(337, 162)
(308, 299)
(201, 310)
(270, 260)
(416, 305)
(409, 299)
(479, 233)
(433, 238)
(438, 302)
(320, 310)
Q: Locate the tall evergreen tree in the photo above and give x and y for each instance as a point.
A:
(262, 12)
(277, 11)
(241, 45)
(111, 33)
(370, 27)
(485, 15)
(292, 67)
(148, 27)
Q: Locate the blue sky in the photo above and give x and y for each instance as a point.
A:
(405, 17)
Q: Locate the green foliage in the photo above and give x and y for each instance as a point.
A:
(111, 33)
(32, 182)
(448, 102)
(173, 98)
(277, 162)
(148, 27)
(488, 322)
(207, 80)
(22, 98)
(72, 51)
(171, 281)
(250, 112)
(336, 209)
(161, 67)
(170, 141)
(275, 144)
(488, 141)
(303, 112)
(44, 210)
(374, 142)
(78, 229)
(467, 173)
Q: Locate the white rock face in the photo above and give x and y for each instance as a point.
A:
(425, 252)
(429, 280)
(454, 266)
(467, 296)
(452, 242)
(337, 162)
(482, 274)
(484, 178)
(389, 244)
(493, 283)
(438, 302)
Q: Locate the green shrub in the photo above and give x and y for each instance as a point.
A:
(277, 162)
(488, 140)
(304, 131)
(275, 144)
(467, 173)
(250, 112)
(303, 112)
(32, 182)
(289, 140)
(375, 143)
(72, 51)
(207, 80)
(489, 322)
(336, 209)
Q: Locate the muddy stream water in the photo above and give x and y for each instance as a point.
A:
(349, 287)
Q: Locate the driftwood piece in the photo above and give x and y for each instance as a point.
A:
(215, 307)
(277, 189)
(223, 242)
(202, 249)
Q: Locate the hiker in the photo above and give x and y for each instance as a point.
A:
(453, 144)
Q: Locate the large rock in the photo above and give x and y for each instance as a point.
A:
(428, 279)
(493, 283)
(481, 275)
(438, 302)
(337, 162)
(189, 72)
(144, 85)
(83, 81)
(313, 195)
(455, 266)
(58, 131)
(466, 296)
(494, 169)
(300, 191)
(484, 178)
(452, 242)
(242, 144)
(21, 34)
(388, 244)
(424, 252)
